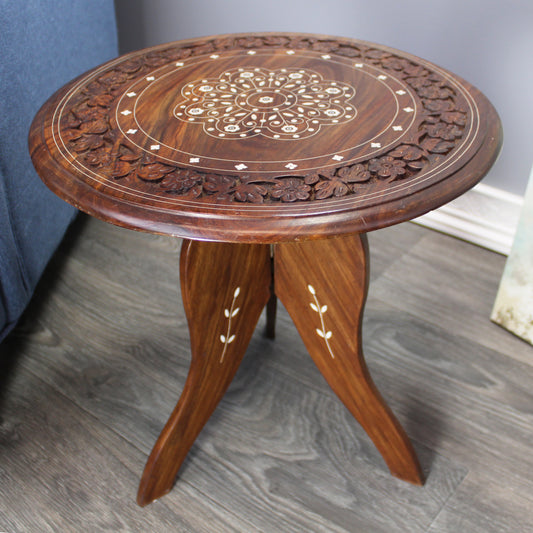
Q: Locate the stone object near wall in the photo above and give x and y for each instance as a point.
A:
(513, 308)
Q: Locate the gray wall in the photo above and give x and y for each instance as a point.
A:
(488, 42)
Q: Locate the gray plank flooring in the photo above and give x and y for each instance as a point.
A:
(90, 375)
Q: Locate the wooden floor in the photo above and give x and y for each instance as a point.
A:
(98, 362)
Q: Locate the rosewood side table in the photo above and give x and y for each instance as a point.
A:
(271, 155)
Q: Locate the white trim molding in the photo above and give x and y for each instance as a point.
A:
(485, 216)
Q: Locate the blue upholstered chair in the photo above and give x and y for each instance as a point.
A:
(43, 44)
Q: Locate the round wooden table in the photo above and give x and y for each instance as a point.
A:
(254, 148)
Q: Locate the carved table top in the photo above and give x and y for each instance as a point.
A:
(264, 138)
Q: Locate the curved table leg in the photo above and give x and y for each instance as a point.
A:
(224, 288)
(323, 285)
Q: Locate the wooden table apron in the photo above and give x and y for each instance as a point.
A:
(271, 155)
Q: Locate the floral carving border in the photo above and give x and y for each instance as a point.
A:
(85, 128)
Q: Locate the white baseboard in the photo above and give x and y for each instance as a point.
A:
(485, 216)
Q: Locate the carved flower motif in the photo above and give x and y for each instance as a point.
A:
(122, 169)
(220, 185)
(332, 187)
(131, 66)
(354, 174)
(250, 192)
(387, 167)
(206, 48)
(224, 43)
(71, 134)
(184, 53)
(86, 113)
(339, 184)
(113, 77)
(315, 177)
(377, 54)
(448, 132)
(416, 71)
(99, 158)
(93, 88)
(154, 171)
(411, 154)
(182, 183)
(249, 42)
(87, 142)
(101, 100)
(348, 51)
(454, 117)
(319, 46)
(438, 106)
(407, 152)
(396, 63)
(274, 40)
(436, 145)
(94, 126)
(433, 92)
(128, 153)
(156, 59)
(419, 82)
(290, 190)
(71, 121)
(306, 43)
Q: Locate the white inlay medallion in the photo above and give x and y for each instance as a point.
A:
(285, 104)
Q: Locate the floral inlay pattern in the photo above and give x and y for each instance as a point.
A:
(230, 313)
(285, 104)
(321, 309)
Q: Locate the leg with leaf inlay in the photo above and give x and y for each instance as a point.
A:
(224, 288)
(323, 285)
